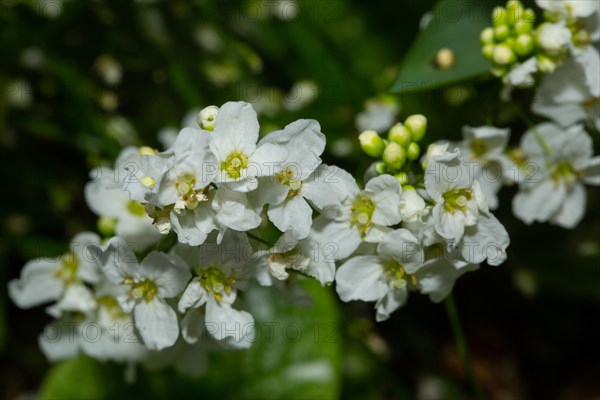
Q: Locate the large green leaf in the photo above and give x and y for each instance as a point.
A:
(297, 356)
(456, 25)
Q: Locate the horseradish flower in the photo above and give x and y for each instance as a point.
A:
(307, 256)
(221, 270)
(553, 38)
(385, 277)
(239, 160)
(483, 147)
(556, 192)
(107, 199)
(44, 280)
(300, 181)
(158, 277)
(361, 215)
(458, 197)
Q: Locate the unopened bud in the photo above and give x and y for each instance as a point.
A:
(371, 143)
(417, 125)
(501, 32)
(444, 59)
(503, 55)
(394, 156)
(514, 11)
(487, 36)
(207, 117)
(402, 178)
(545, 64)
(523, 45)
(499, 16)
(488, 51)
(399, 134)
(413, 152)
(147, 151)
(498, 71)
(107, 225)
(380, 168)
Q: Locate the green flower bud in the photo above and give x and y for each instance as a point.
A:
(487, 36)
(545, 64)
(394, 156)
(501, 32)
(207, 117)
(380, 168)
(499, 16)
(514, 11)
(399, 134)
(526, 23)
(488, 51)
(498, 71)
(413, 151)
(417, 125)
(524, 45)
(503, 55)
(402, 178)
(444, 59)
(106, 226)
(371, 143)
(582, 38)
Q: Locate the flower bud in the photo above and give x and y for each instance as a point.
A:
(523, 45)
(417, 125)
(435, 150)
(147, 151)
(394, 156)
(371, 143)
(501, 32)
(107, 226)
(499, 16)
(545, 64)
(525, 24)
(487, 36)
(399, 134)
(503, 55)
(553, 38)
(412, 205)
(514, 11)
(207, 117)
(413, 151)
(380, 168)
(444, 59)
(498, 71)
(402, 178)
(488, 51)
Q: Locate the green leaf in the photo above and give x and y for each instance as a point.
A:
(456, 25)
(297, 355)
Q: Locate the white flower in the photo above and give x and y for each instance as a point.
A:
(564, 162)
(307, 256)
(44, 280)
(399, 266)
(362, 215)
(484, 147)
(301, 179)
(412, 205)
(459, 199)
(156, 278)
(379, 115)
(239, 160)
(221, 270)
(570, 8)
(106, 198)
(553, 37)
(521, 75)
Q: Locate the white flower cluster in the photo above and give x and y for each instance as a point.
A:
(145, 298)
(561, 52)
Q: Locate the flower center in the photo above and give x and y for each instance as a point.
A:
(478, 148)
(287, 177)
(397, 276)
(190, 197)
(68, 268)
(145, 290)
(564, 171)
(235, 163)
(136, 208)
(457, 200)
(361, 213)
(112, 306)
(214, 281)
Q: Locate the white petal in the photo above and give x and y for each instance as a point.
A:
(319, 191)
(157, 324)
(37, 285)
(385, 192)
(393, 300)
(448, 225)
(193, 296)
(167, 271)
(591, 171)
(573, 208)
(267, 160)
(540, 202)
(60, 340)
(404, 247)
(438, 279)
(294, 214)
(192, 325)
(361, 278)
(485, 241)
(338, 234)
(234, 211)
(236, 129)
(225, 323)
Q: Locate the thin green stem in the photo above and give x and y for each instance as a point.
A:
(461, 344)
(534, 129)
(259, 239)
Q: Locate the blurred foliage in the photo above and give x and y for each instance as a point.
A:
(81, 78)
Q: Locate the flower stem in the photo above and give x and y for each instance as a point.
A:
(534, 129)
(259, 239)
(461, 344)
